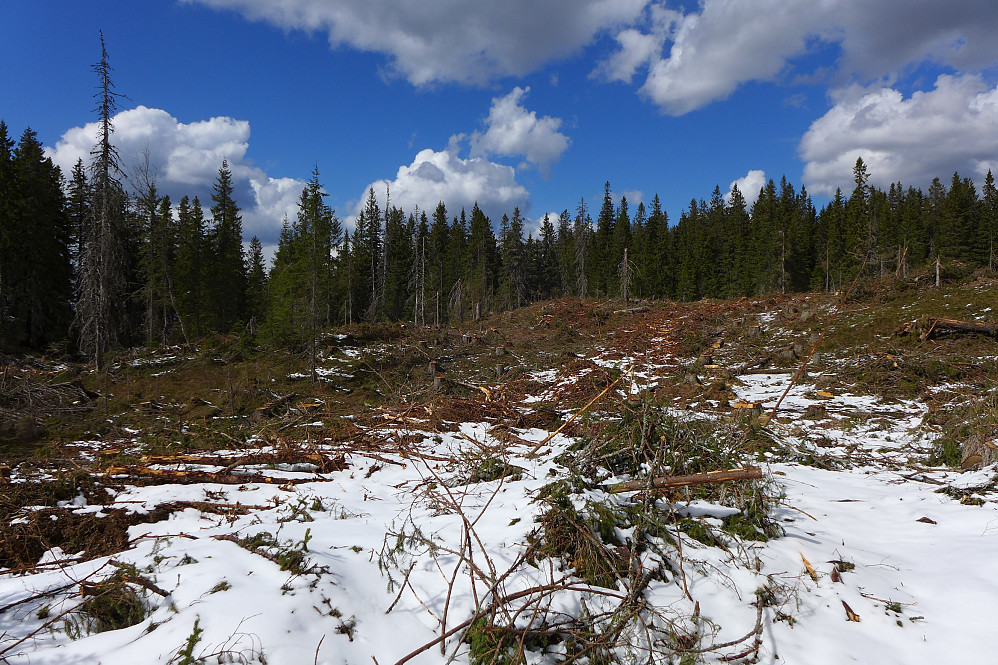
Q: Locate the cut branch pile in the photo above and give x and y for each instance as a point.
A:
(24, 397)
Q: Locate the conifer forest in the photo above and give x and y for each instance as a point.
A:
(177, 271)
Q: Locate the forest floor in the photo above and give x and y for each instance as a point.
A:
(459, 494)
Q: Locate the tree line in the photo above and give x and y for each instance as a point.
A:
(87, 261)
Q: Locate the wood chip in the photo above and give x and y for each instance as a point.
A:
(810, 569)
(850, 615)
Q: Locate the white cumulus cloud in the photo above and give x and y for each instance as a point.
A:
(512, 130)
(443, 175)
(449, 40)
(185, 158)
(749, 185)
(953, 127)
(696, 58)
(636, 49)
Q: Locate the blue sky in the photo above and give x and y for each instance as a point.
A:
(533, 103)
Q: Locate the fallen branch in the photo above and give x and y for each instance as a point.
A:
(724, 475)
(954, 325)
(471, 386)
(139, 580)
(281, 457)
(192, 477)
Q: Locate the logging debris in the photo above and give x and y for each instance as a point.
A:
(661, 482)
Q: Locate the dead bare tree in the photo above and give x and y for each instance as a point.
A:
(626, 272)
(103, 257)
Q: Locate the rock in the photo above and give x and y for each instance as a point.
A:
(972, 462)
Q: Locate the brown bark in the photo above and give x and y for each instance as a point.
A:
(723, 475)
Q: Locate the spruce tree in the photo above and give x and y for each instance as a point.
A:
(158, 253)
(830, 245)
(935, 198)
(637, 249)
(191, 269)
(959, 219)
(395, 264)
(602, 265)
(620, 243)
(689, 241)
(581, 233)
(286, 322)
(316, 224)
(37, 262)
(456, 268)
(419, 268)
(438, 280)
(77, 207)
(361, 273)
(513, 260)
(546, 273)
(348, 278)
(766, 241)
(256, 285)
(987, 233)
(735, 246)
(301, 282)
(565, 253)
(368, 251)
(8, 216)
(655, 269)
(227, 286)
(481, 271)
(801, 232)
(714, 268)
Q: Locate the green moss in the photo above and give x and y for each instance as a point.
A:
(580, 538)
(697, 530)
(945, 452)
(753, 522)
(493, 468)
(490, 646)
(111, 604)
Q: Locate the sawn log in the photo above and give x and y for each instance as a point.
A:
(747, 473)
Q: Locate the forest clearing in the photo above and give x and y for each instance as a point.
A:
(498, 491)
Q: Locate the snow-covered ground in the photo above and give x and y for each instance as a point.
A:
(406, 544)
